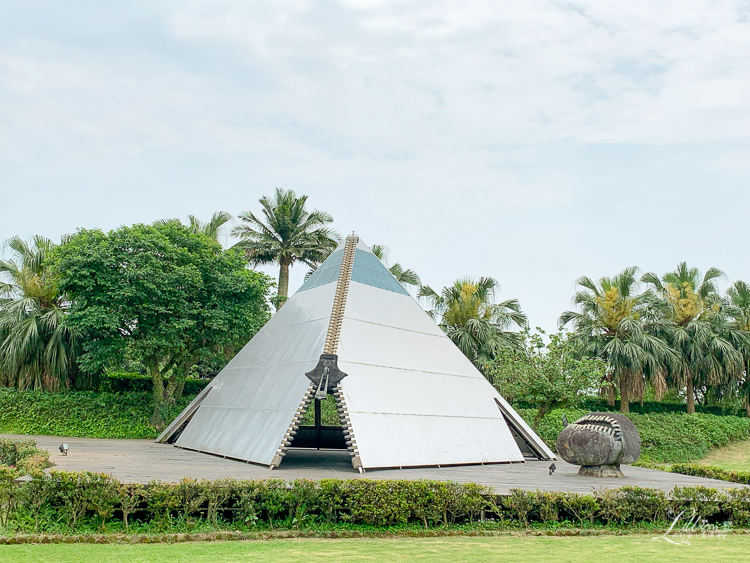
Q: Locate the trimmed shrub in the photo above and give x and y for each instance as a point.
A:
(90, 502)
(711, 472)
(80, 413)
(23, 455)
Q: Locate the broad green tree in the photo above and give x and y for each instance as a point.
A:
(162, 294)
(37, 348)
(404, 276)
(697, 329)
(615, 322)
(466, 311)
(546, 376)
(286, 233)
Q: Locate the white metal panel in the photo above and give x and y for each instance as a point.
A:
(402, 417)
(254, 398)
(377, 389)
(388, 346)
(402, 440)
(373, 305)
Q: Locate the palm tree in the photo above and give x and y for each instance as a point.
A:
(212, 229)
(615, 324)
(404, 276)
(37, 349)
(738, 310)
(288, 233)
(697, 329)
(467, 313)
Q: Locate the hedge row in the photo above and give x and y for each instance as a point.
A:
(130, 382)
(63, 500)
(647, 407)
(710, 472)
(80, 413)
(666, 437)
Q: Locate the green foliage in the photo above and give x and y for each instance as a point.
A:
(632, 504)
(710, 472)
(131, 382)
(163, 294)
(545, 377)
(329, 415)
(286, 233)
(466, 311)
(615, 324)
(37, 349)
(666, 437)
(65, 502)
(23, 455)
(80, 413)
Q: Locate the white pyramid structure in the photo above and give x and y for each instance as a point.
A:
(409, 396)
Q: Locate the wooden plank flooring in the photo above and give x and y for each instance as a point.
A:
(141, 461)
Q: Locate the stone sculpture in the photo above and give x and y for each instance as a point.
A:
(599, 442)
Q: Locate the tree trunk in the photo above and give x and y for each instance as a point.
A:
(283, 281)
(624, 403)
(690, 395)
(747, 409)
(610, 390)
(157, 419)
(543, 410)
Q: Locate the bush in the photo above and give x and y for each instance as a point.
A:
(130, 382)
(711, 473)
(80, 413)
(88, 502)
(23, 455)
(666, 437)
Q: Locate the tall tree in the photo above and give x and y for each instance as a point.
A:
(547, 377)
(37, 348)
(697, 329)
(287, 233)
(738, 310)
(614, 324)
(466, 311)
(404, 276)
(212, 228)
(161, 293)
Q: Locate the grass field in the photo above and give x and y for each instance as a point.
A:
(623, 549)
(735, 457)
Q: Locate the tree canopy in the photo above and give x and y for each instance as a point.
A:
(37, 349)
(286, 234)
(466, 311)
(172, 296)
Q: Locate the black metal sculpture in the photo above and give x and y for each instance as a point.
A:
(325, 375)
(599, 442)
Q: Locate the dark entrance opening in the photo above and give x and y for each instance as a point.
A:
(318, 435)
(527, 446)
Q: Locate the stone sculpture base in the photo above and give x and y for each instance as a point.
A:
(600, 471)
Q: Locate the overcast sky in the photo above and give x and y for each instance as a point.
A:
(533, 142)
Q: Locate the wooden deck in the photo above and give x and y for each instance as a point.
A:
(141, 461)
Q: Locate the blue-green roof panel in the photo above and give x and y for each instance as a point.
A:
(327, 272)
(370, 271)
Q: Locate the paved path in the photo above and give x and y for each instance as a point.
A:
(141, 461)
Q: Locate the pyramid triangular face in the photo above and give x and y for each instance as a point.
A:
(409, 396)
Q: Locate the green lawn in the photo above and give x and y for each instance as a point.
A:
(735, 457)
(623, 549)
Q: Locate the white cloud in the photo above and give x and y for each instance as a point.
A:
(532, 141)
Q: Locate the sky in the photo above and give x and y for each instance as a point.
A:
(534, 142)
